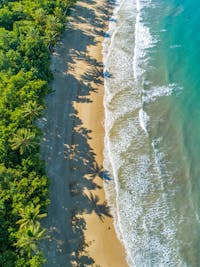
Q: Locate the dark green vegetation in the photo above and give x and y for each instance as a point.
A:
(28, 31)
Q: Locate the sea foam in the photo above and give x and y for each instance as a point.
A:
(136, 192)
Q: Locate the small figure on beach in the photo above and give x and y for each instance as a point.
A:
(107, 35)
(105, 176)
(107, 74)
(112, 20)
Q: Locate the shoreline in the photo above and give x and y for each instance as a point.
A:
(79, 219)
(105, 246)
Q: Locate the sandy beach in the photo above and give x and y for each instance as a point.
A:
(79, 221)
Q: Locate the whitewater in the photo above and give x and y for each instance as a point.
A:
(146, 150)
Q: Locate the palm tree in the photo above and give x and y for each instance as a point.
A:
(52, 30)
(24, 140)
(32, 110)
(30, 215)
(28, 238)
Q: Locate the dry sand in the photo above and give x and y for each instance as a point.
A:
(79, 219)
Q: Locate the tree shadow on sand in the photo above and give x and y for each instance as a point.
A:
(84, 170)
(70, 161)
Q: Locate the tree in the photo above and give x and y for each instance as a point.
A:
(53, 29)
(30, 215)
(28, 238)
(27, 29)
(32, 110)
(6, 18)
(24, 140)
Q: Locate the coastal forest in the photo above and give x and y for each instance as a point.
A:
(29, 30)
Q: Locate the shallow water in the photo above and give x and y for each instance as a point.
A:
(152, 143)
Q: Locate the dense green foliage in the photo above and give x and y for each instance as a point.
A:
(28, 31)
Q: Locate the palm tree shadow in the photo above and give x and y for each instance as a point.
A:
(101, 210)
(74, 155)
(83, 169)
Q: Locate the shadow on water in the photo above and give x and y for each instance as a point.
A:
(70, 161)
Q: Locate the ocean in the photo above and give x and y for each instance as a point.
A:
(152, 123)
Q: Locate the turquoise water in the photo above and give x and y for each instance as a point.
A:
(152, 123)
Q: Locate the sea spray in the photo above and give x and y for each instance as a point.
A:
(143, 117)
